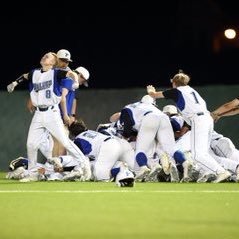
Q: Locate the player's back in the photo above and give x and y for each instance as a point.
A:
(139, 110)
(190, 102)
(90, 142)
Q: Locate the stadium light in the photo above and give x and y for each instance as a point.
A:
(230, 33)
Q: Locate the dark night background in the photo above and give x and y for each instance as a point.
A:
(125, 43)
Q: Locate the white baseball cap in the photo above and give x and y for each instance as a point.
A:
(85, 73)
(64, 54)
(170, 109)
(148, 99)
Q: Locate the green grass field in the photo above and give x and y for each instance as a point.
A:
(73, 210)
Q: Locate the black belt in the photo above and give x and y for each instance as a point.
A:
(107, 139)
(44, 108)
(200, 113)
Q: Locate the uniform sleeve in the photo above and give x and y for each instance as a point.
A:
(67, 83)
(176, 126)
(127, 121)
(30, 74)
(171, 94)
(60, 74)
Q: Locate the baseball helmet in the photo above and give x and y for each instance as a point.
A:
(18, 162)
(125, 178)
(64, 54)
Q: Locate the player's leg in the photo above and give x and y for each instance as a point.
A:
(46, 146)
(201, 130)
(165, 137)
(35, 134)
(107, 157)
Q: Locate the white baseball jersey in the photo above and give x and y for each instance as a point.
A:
(106, 151)
(45, 94)
(45, 89)
(190, 102)
(194, 111)
(151, 124)
(139, 110)
(90, 142)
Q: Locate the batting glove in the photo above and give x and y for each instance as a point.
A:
(11, 87)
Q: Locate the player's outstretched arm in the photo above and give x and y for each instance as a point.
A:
(11, 87)
(227, 109)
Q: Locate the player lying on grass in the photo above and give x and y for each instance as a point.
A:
(63, 168)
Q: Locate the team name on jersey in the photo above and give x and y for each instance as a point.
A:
(42, 85)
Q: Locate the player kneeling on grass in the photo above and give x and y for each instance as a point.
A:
(103, 150)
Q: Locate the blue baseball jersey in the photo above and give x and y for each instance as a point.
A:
(67, 83)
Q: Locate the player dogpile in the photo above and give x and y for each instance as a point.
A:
(141, 143)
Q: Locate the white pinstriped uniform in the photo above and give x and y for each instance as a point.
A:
(45, 92)
(152, 124)
(194, 110)
(105, 150)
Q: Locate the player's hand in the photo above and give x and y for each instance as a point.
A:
(41, 170)
(58, 169)
(151, 90)
(11, 87)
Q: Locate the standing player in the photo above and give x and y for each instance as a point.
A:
(194, 111)
(50, 144)
(64, 59)
(66, 105)
(45, 96)
(68, 92)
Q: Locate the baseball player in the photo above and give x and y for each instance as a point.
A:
(182, 155)
(183, 144)
(227, 109)
(44, 84)
(224, 147)
(103, 150)
(64, 58)
(66, 105)
(180, 127)
(64, 168)
(150, 124)
(68, 92)
(194, 111)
